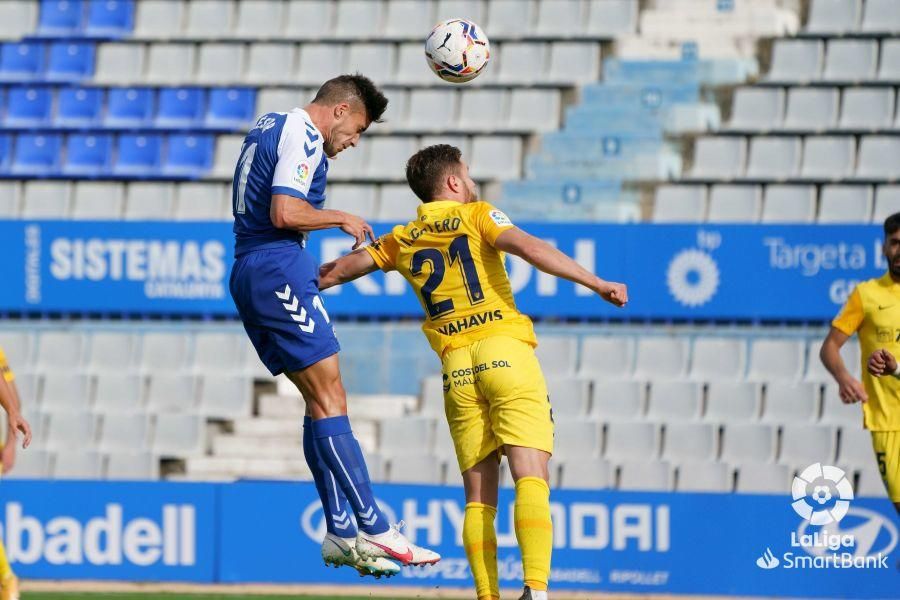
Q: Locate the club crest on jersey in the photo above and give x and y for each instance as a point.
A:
(302, 174)
(500, 218)
(265, 123)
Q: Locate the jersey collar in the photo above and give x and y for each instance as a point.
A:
(435, 206)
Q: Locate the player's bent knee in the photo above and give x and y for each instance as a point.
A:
(528, 462)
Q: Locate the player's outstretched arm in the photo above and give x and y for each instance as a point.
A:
(288, 212)
(850, 389)
(548, 259)
(346, 268)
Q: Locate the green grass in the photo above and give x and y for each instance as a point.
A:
(165, 596)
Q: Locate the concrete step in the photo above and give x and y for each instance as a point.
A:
(265, 427)
(242, 446)
(380, 406)
(248, 468)
(279, 406)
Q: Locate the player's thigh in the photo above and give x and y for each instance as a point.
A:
(886, 445)
(510, 377)
(468, 414)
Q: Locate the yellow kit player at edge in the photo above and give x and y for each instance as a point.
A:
(495, 396)
(873, 312)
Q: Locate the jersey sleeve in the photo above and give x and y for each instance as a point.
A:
(5, 371)
(300, 154)
(851, 316)
(490, 222)
(384, 252)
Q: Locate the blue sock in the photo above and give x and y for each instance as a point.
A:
(341, 452)
(334, 502)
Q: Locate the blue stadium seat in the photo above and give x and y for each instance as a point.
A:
(129, 106)
(5, 154)
(70, 61)
(231, 107)
(37, 154)
(28, 106)
(78, 106)
(189, 154)
(113, 18)
(138, 154)
(61, 17)
(88, 154)
(180, 107)
(21, 60)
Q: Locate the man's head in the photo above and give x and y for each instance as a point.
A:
(439, 172)
(892, 244)
(343, 109)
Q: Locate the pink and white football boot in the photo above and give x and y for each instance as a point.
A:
(395, 546)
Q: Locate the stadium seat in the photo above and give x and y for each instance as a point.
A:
(850, 60)
(719, 157)
(28, 106)
(109, 352)
(132, 466)
(220, 64)
(309, 18)
(397, 436)
(6, 144)
(679, 204)
(149, 201)
(870, 484)
(110, 18)
(267, 62)
(209, 18)
(178, 435)
(756, 478)
(129, 107)
(124, 432)
(618, 400)
(77, 463)
(21, 60)
(833, 16)
(534, 110)
(791, 403)
(116, 393)
(776, 360)
(876, 157)
(258, 18)
(189, 154)
(349, 164)
(414, 468)
(845, 204)
(274, 100)
(789, 204)
(718, 359)
(228, 150)
(388, 156)
(61, 17)
(319, 62)
(661, 358)
(472, 9)
(63, 391)
(98, 201)
(409, 66)
(226, 397)
(744, 443)
(432, 110)
(164, 352)
(69, 431)
(10, 199)
(120, 63)
(17, 16)
(757, 109)
(357, 18)
(576, 439)
(180, 107)
(37, 154)
(34, 464)
(690, 442)
(732, 402)
(586, 473)
(558, 355)
(648, 476)
(510, 18)
(495, 157)
(560, 19)
(802, 445)
(167, 393)
(70, 62)
(432, 400)
(214, 352)
(231, 107)
(88, 154)
(811, 109)
(78, 107)
(887, 202)
(671, 401)
(880, 16)
(607, 356)
(773, 158)
(138, 154)
(815, 370)
(376, 60)
(734, 203)
(46, 200)
(704, 476)
(170, 64)
(522, 62)
(483, 110)
(626, 440)
(158, 18)
(828, 157)
(796, 61)
(574, 62)
(357, 199)
(855, 447)
(408, 18)
(867, 108)
(568, 396)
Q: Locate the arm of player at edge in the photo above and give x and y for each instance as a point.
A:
(288, 212)
(550, 260)
(347, 268)
(9, 400)
(849, 388)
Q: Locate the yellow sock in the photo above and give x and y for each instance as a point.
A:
(480, 541)
(534, 530)
(5, 570)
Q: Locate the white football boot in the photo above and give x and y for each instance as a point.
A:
(394, 545)
(338, 552)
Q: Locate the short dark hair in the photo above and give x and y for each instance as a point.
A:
(891, 225)
(426, 168)
(353, 88)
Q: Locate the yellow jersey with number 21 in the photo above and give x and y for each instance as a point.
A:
(447, 254)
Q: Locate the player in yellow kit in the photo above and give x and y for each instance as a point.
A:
(873, 312)
(495, 396)
(9, 399)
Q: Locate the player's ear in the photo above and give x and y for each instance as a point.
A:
(340, 110)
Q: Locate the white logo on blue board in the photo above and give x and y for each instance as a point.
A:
(692, 277)
(767, 560)
(814, 490)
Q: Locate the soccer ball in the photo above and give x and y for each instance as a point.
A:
(457, 50)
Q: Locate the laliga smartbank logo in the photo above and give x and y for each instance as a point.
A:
(832, 534)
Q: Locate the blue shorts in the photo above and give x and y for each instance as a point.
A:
(276, 292)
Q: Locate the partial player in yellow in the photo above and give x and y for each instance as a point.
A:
(873, 312)
(495, 396)
(9, 399)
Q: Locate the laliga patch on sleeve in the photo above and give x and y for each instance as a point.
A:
(301, 175)
(500, 218)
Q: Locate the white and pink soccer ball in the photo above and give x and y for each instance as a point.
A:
(457, 50)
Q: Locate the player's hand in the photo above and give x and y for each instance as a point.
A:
(8, 455)
(881, 363)
(614, 293)
(18, 423)
(357, 228)
(851, 391)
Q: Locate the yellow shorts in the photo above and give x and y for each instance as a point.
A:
(495, 394)
(887, 452)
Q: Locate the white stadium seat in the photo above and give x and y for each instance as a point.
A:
(414, 468)
(608, 356)
(690, 442)
(397, 436)
(97, 201)
(791, 403)
(618, 400)
(122, 432)
(734, 203)
(761, 478)
(586, 473)
(568, 396)
(209, 18)
(46, 200)
(718, 358)
(802, 445)
(652, 476)
(732, 402)
(63, 391)
(118, 393)
(132, 466)
(178, 435)
(776, 359)
(119, 63)
(671, 401)
(171, 393)
(661, 358)
(220, 63)
(557, 354)
(258, 18)
(704, 476)
(409, 18)
(626, 440)
(77, 463)
(111, 352)
(576, 439)
(169, 63)
(789, 204)
(748, 443)
(510, 17)
(59, 351)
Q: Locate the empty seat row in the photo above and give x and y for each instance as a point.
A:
(410, 19)
(559, 63)
(79, 463)
(800, 61)
(43, 106)
(68, 18)
(835, 17)
(781, 203)
(89, 154)
(779, 158)
(814, 109)
(26, 61)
